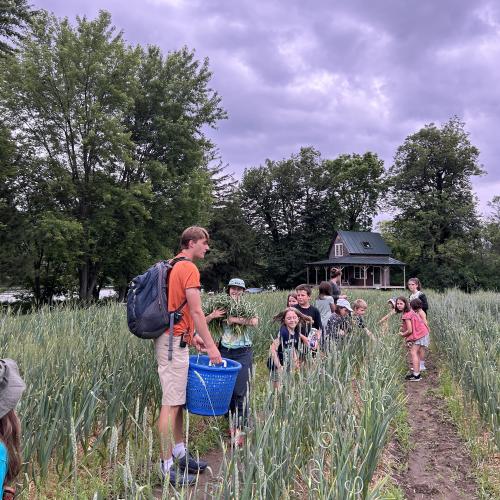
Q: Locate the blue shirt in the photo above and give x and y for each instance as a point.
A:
(3, 466)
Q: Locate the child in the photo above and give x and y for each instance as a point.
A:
(415, 287)
(325, 303)
(359, 310)
(236, 344)
(284, 350)
(416, 305)
(304, 306)
(392, 311)
(11, 388)
(338, 324)
(412, 329)
(291, 300)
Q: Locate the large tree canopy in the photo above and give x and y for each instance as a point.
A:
(296, 204)
(430, 189)
(112, 144)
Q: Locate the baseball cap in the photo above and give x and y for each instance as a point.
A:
(344, 303)
(237, 282)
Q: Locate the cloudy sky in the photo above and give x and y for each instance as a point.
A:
(342, 76)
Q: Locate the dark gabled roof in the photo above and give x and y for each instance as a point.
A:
(364, 243)
(359, 260)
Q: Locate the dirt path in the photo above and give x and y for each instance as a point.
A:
(439, 466)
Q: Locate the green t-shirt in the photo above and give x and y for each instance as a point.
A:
(236, 336)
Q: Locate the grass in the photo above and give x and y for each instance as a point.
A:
(92, 387)
(479, 441)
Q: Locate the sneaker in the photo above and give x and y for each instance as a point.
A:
(177, 478)
(188, 462)
(413, 378)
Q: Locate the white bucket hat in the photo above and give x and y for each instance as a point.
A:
(344, 303)
(11, 386)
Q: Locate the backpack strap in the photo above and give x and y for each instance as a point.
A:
(172, 314)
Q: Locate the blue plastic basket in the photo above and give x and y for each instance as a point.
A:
(209, 388)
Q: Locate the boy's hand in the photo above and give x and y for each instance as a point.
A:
(214, 355)
(198, 343)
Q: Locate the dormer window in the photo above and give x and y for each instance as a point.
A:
(366, 244)
(339, 250)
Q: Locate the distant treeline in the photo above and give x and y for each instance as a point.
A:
(104, 160)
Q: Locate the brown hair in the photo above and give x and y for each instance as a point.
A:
(302, 317)
(291, 294)
(406, 307)
(10, 436)
(325, 288)
(334, 272)
(417, 282)
(416, 304)
(193, 233)
(304, 287)
(359, 304)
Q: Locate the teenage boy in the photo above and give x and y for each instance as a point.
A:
(359, 310)
(183, 288)
(304, 306)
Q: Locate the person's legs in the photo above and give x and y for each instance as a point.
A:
(421, 355)
(173, 380)
(170, 429)
(415, 360)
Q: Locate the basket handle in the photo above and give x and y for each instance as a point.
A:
(224, 362)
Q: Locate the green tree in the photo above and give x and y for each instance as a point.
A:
(431, 192)
(112, 139)
(296, 204)
(15, 16)
(357, 181)
(234, 247)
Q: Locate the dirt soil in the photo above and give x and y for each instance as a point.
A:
(439, 466)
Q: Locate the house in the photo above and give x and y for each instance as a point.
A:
(364, 258)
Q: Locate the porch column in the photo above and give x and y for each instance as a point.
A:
(326, 273)
(316, 268)
(365, 268)
(404, 277)
(387, 281)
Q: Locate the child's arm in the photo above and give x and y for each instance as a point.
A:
(274, 353)
(423, 317)
(215, 314)
(423, 298)
(370, 334)
(236, 320)
(387, 316)
(408, 330)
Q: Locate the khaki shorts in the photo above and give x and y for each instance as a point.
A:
(173, 374)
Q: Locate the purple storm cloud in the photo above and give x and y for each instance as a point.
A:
(343, 77)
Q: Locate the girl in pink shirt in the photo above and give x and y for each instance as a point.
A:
(416, 333)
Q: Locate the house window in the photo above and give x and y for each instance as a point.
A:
(359, 273)
(366, 244)
(339, 250)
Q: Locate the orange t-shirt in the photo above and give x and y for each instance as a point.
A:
(184, 275)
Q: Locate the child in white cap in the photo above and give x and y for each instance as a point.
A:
(236, 344)
(11, 389)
